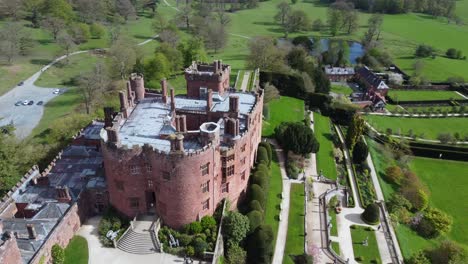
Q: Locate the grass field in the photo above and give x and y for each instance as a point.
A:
(325, 157)
(77, 251)
(429, 128)
(285, 109)
(295, 237)
(369, 252)
(447, 183)
(272, 208)
(401, 96)
(340, 89)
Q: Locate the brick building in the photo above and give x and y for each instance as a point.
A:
(339, 74)
(179, 156)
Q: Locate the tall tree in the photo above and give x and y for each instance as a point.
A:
(10, 40)
(334, 20)
(34, 7)
(54, 24)
(283, 11)
(65, 41)
(216, 37)
(123, 56)
(185, 15)
(11, 8)
(264, 54)
(374, 28)
(355, 131)
(125, 9)
(295, 21)
(92, 85)
(57, 8)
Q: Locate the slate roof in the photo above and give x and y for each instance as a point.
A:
(371, 78)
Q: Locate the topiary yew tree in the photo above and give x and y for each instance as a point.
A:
(297, 137)
(255, 219)
(269, 150)
(355, 130)
(262, 156)
(360, 152)
(260, 245)
(371, 214)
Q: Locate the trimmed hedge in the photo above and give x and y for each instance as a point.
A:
(371, 214)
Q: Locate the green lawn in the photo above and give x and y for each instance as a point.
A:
(336, 247)
(240, 77)
(285, 109)
(447, 182)
(295, 237)
(422, 109)
(401, 95)
(272, 208)
(369, 252)
(334, 229)
(428, 128)
(325, 157)
(340, 89)
(77, 251)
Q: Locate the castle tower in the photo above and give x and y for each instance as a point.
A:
(137, 85)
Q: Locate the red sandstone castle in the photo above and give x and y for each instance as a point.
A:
(179, 156)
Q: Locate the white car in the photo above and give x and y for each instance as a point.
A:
(56, 91)
(25, 102)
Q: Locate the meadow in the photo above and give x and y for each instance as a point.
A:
(325, 157)
(425, 95)
(427, 128)
(295, 236)
(284, 109)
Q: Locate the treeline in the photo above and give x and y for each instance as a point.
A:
(444, 8)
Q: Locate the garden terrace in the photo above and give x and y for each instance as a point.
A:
(423, 95)
(325, 157)
(296, 232)
(369, 253)
(273, 201)
(284, 109)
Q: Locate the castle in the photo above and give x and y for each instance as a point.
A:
(179, 156)
(173, 157)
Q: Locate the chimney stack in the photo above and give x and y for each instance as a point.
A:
(180, 142)
(129, 94)
(183, 123)
(177, 123)
(31, 231)
(234, 104)
(63, 195)
(108, 116)
(209, 100)
(112, 135)
(164, 90)
(172, 100)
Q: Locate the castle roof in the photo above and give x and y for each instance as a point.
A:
(372, 78)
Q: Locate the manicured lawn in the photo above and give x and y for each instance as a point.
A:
(325, 157)
(428, 128)
(369, 252)
(77, 251)
(336, 247)
(448, 184)
(285, 109)
(334, 229)
(401, 95)
(272, 208)
(422, 109)
(240, 77)
(295, 237)
(340, 89)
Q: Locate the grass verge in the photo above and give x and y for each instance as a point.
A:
(272, 208)
(295, 237)
(325, 157)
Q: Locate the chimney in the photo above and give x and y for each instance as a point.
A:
(31, 231)
(63, 195)
(234, 104)
(177, 123)
(108, 112)
(220, 65)
(183, 123)
(123, 101)
(232, 126)
(209, 100)
(164, 90)
(172, 100)
(112, 135)
(180, 142)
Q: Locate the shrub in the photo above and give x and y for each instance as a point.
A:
(190, 251)
(185, 239)
(255, 219)
(371, 214)
(236, 254)
(434, 223)
(359, 258)
(447, 252)
(235, 227)
(262, 155)
(58, 254)
(304, 41)
(193, 228)
(303, 259)
(333, 202)
(360, 152)
(317, 25)
(255, 205)
(256, 193)
(393, 174)
(260, 245)
(267, 146)
(397, 202)
(208, 222)
(200, 246)
(97, 30)
(418, 258)
(424, 51)
(261, 179)
(418, 198)
(291, 169)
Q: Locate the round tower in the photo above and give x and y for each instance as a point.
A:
(137, 84)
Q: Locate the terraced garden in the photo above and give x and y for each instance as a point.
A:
(325, 157)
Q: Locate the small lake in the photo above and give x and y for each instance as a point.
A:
(353, 49)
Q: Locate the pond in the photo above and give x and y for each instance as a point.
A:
(352, 48)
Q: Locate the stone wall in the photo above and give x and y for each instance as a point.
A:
(9, 251)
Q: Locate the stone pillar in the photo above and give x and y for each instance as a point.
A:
(112, 135)
(31, 231)
(123, 103)
(164, 90)
(180, 142)
(108, 116)
(209, 100)
(172, 100)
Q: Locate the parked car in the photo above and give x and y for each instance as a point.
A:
(19, 103)
(40, 103)
(31, 102)
(20, 83)
(25, 102)
(56, 91)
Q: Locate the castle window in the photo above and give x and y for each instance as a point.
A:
(150, 184)
(243, 175)
(230, 158)
(243, 161)
(206, 204)
(205, 169)
(149, 168)
(166, 175)
(230, 170)
(206, 187)
(119, 185)
(225, 188)
(134, 169)
(243, 148)
(134, 202)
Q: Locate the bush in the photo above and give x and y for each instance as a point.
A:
(235, 227)
(200, 246)
(418, 198)
(303, 41)
(58, 254)
(97, 30)
(208, 222)
(291, 169)
(359, 258)
(418, 258)
(454, 53)
(267, 146)
(360, 152)
(185, 239)
(317, 25)
(255, 205)
(397, 202)
(261, 179)
(333, 202)
(393, 174)
(297, 137)
(236, 255)
(262, 155)
(434, 223)
(193, 228)
(255, 219)
(371, 214)
(424, 51)
(256, 193)
(260, 245)
(447, 252)
(190, 251)
(303, 259)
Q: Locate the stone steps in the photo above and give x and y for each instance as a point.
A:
(137, 243)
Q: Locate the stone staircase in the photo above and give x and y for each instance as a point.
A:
(137, 243)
